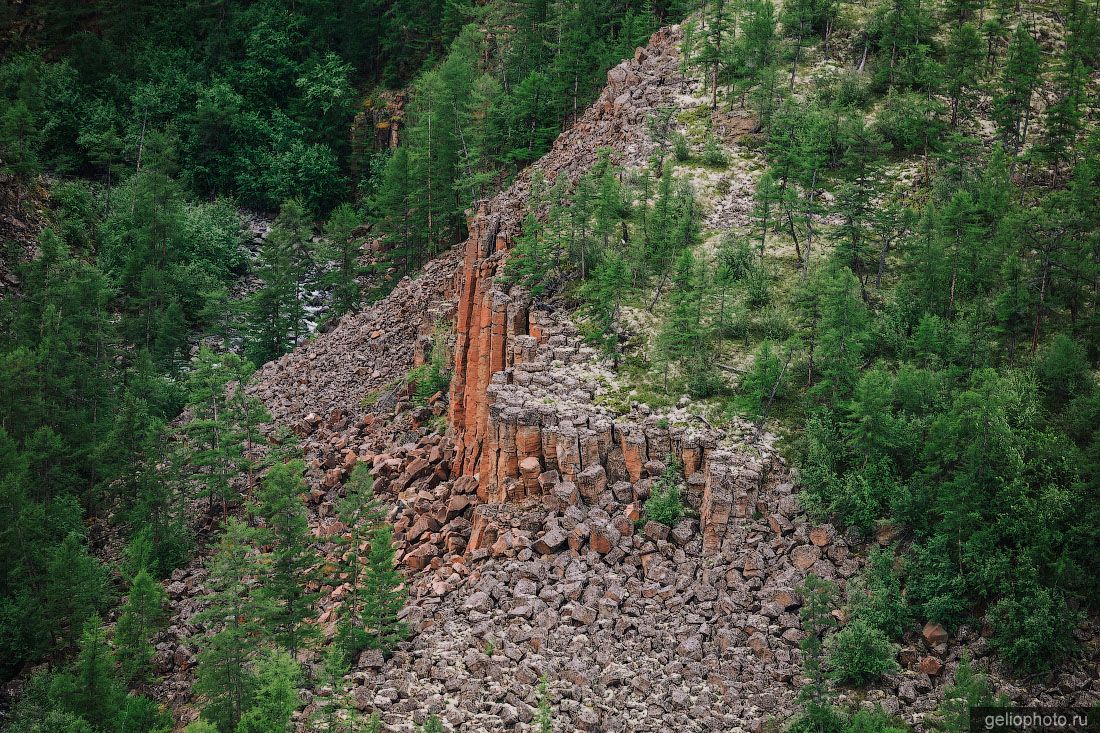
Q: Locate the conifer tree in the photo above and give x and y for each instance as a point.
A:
(214, 429)
(531, 259)
(818, 596)
(611, 210)
(962, 70)
(90, 689)
(843, 332)
(363, 513)
(581, 246)
(432, 725)
(75, 588)
(659, 244)
(276, 696)
(277, 316)
(718, 25)
(287, 599)
(341, 248)
(1064, 118)
(685, 339)
(765, 203)
(383, 593)
(758, 44)
(140, 618)
(1012, 105)
(603, 296)
(901, 32)
(224, 676)
(394, 206)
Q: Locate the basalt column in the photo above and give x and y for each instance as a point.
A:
(487, 323)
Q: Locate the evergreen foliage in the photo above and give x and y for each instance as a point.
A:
(383, 593)
(141, 616)
(285, 593)
(859, 653)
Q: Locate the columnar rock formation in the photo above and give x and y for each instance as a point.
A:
(522, 413)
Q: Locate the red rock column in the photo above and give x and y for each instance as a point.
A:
(717, 504)
(634, 451)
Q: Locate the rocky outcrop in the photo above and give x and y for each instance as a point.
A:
(488, 318)
(521, 399)
(366, 356)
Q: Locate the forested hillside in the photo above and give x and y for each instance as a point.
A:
(762, 394)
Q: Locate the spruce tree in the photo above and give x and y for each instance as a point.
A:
(342, 249)
(383, 593)
(288, 600)
(140, 618)
(224, 677)
(363, 513)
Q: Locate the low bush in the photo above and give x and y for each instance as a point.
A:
(859, 653)
(664, 504)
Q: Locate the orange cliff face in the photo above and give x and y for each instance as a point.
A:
(488, 318)
(480, 347)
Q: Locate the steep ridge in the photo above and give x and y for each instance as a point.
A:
(519, 528)
(488, 319)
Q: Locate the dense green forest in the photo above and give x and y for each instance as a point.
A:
(928, 348)
(154, 122)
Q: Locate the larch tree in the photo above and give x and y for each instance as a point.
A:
(224, 676)
(1012, 105)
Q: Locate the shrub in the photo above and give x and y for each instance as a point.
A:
(680, 147)
(664, 504)
(432, 376)
(736, 259)
(969, 689)
(713, 154)
(874, 721)
(1033, 628)
(703, 379)
(817, 718)
(934, 586)
(758, 283)
(876, 597)
(908, 119)
(432, 725)
(859, 653)
(774, 322)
